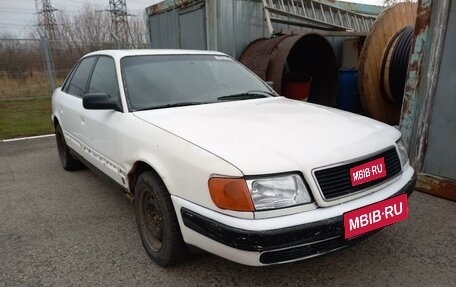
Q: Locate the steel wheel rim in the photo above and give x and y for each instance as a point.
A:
(151, 220)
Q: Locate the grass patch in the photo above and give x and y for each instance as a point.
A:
(25, 117)
(35, 86)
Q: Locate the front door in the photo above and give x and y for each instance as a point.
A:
(102, 126)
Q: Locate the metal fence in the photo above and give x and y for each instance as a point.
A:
(22, 71)
(31, 68)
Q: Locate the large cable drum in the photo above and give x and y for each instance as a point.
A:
(290, 60)
(384, 61)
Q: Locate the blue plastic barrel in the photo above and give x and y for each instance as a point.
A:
(348, 95)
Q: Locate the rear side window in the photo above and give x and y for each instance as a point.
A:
(78, 82)
(104, 78)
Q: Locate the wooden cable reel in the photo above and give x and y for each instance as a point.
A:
(383, 63)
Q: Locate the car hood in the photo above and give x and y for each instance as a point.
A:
(265, 136)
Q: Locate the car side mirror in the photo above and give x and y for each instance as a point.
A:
(99, 101)
(270, 83)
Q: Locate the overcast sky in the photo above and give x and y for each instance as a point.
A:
(18, 16)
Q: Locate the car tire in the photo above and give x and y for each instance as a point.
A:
(68, 162)
(157, 221)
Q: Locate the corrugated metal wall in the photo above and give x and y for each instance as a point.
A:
(164, 30)
(223, 25)
(441, 145)
(226, 26)
(428, 121)
(192, 24)
(239, 23)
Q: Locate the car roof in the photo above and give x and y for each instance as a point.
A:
(118, 54)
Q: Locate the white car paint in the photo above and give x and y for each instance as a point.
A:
(274, 135)
(252, 258)
(188, 145)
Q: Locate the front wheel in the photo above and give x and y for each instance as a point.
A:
(157, 221)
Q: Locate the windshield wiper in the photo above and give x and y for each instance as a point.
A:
(180, 104)
(247, 95)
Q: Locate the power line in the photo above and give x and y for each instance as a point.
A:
(119, 19)
(46, 19)
(16, 24)
(17, 12)
(17, 9)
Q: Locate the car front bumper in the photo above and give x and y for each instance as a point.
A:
(257, 246)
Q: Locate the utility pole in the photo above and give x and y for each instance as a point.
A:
(46, 19)
(119, 19)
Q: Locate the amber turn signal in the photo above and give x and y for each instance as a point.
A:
(230, 193)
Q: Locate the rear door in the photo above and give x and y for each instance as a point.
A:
(69, 104)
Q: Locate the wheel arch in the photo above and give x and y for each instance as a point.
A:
(55, 121)
(138, 168)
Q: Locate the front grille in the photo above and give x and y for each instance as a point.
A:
(336, 181)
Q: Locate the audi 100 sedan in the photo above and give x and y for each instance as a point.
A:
(215, 160)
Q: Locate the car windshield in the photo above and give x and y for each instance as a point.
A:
(159, 81)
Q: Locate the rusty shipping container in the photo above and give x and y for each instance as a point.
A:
(221, 25)
(428, 120)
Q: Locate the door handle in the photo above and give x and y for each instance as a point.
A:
(82, 120)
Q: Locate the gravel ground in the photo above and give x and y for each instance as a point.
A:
(63, 229)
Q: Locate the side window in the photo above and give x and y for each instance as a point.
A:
(104, 79)
(66, 83)
(78, 82)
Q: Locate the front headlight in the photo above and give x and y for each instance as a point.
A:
(403, 152)
(278, 191)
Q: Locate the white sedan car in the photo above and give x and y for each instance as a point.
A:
(215, 160)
